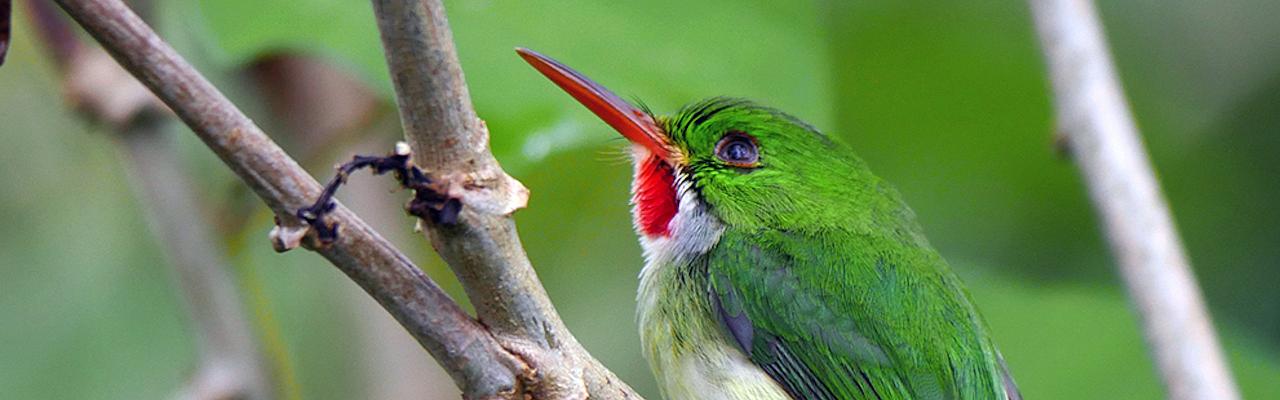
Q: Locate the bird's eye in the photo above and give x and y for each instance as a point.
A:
(738, 149)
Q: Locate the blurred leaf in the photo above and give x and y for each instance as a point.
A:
(1081, 342)
(947, 101)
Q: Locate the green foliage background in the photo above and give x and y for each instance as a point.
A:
(946, 99)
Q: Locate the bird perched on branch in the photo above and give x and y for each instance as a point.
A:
(779, 267)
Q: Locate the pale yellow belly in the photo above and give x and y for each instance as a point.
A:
(720, 374)
(690, 356)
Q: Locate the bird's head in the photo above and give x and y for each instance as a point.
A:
(751, 166)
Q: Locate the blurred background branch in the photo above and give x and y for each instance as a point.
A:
(1103, 139)
(231, 366)
(229, 363)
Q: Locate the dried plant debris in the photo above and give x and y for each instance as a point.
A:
(429, 200)
(6, 13)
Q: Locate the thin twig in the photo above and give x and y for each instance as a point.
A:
(1103, 139)
(323, 109)
(427, 201)
(483, 248)
(473, 358)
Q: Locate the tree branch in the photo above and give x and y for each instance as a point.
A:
(323, 109)
(1102, 137)
(473, 358)
(483, 249)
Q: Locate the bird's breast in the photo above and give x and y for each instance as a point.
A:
(689, 352)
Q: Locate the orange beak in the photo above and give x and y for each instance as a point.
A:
(632, 122)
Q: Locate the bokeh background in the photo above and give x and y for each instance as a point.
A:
(948, 100)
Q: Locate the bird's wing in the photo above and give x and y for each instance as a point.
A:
(826, 323)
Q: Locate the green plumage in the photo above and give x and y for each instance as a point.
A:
(778, 267)
(819, 274)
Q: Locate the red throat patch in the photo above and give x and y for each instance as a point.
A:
(654, 197)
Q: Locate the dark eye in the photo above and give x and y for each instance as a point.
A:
(738, 149)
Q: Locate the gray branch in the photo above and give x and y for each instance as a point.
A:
(474, 359)
(483, 249)
(1101, 136)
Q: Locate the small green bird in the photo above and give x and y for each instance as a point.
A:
(779, 267)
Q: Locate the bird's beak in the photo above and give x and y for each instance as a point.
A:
(632, 122)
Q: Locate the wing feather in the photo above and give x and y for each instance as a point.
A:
(821, 324)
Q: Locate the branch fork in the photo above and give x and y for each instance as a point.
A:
(516, 346)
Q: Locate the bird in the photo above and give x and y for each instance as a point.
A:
(777, 266)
